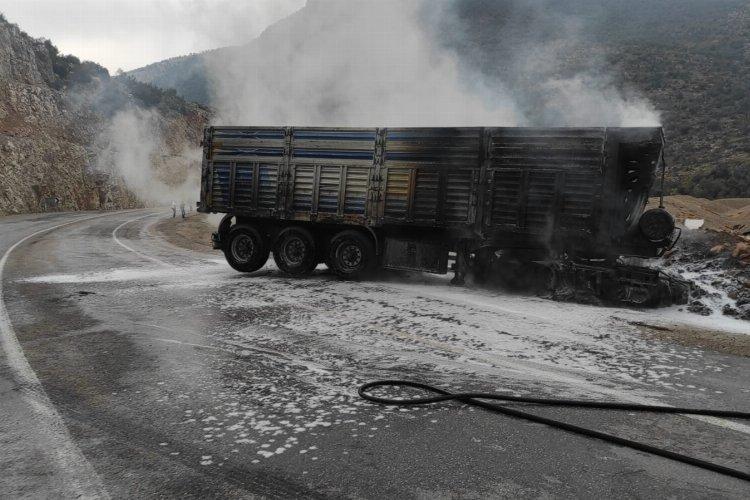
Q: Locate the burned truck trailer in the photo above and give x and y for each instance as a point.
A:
(570, 200)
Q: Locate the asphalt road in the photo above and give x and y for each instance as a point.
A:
(132, 368)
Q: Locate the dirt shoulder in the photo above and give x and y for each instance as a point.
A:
(729, 215)
(723, 342)
(192, 232)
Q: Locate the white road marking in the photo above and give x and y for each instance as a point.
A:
(126, 247)
(77, 473)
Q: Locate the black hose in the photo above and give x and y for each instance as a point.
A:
(473, 398)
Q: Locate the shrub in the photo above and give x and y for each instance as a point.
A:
(720, 181)
(70, 70)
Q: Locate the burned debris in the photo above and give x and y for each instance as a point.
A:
(718, 265)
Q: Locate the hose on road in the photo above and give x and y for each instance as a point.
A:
(473, 398)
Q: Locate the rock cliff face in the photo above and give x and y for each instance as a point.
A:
(55, 126)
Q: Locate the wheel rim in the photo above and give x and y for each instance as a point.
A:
(294, 251)
(242, 248)
(350, 256)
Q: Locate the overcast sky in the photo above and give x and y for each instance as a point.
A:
(129, 34)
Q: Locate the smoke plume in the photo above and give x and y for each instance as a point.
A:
(137, 149)
(353, 63)
(550, 57)
(388, 63)
(422, 63)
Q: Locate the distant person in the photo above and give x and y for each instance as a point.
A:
(182, 208)
(174, 209)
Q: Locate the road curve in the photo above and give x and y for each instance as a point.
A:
(67, 471)
(166, 373)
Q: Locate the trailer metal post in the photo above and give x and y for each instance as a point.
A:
(462, 263)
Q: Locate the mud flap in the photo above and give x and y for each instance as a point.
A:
(217, 238)
(216, 241)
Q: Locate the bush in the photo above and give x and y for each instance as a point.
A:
(721, 181)
(150, 96)
(87, 71)
(70, 70)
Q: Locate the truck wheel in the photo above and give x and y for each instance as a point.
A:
(294, 251)
(245, 249)
(351, 254)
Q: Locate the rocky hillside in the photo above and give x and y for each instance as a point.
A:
(58, 147)
(690, 58)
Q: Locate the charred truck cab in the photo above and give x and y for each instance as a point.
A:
(564, 204)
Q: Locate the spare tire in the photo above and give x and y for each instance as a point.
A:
(657, 225)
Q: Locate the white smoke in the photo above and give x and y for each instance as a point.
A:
(353, 63)
(136, 150)
(550, 61)
(587, 100)
(385, 63)
(381, 63)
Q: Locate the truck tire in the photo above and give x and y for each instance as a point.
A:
(351, 254)
(245, 249)
(294, 251)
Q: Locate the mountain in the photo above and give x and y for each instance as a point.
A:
(185, 74)
(689, 58)
(62, 128)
